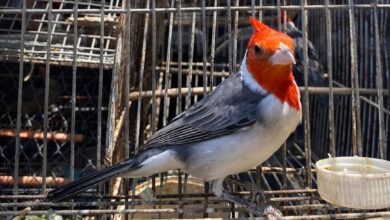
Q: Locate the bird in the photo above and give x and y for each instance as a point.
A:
(316, 71)
(232, 129)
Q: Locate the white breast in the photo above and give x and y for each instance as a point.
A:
(246, 148)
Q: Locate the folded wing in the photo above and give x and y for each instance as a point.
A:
(230, 107)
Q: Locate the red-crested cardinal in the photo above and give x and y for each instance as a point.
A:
(231, 130)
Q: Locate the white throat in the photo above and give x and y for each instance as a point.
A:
(248, 79)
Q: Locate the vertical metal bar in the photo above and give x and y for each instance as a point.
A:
(284, 21)
(212, 63)
(154, 193)
(279, 15)
(161, 192)
(323, 124)
(235, 32)
(100, 95)
(330, 75)
(127, 79)
(185, 186)
(259, 173)
(204, 44)
(284, 147)
(196, 85)
(232, 188)
(74, 72)
(344, 54)
(372, 116)
(46, 105)
(356, 136)
(385, 41)
(127, 99)
(379, 85)
(339, 116)
(363, 67)
(190, 62)
(133, 184)
(229, 20)
(141, 78)
(284, 171)
(261, 11)
(259, 169)
(212, 55)
(179, 100)
(167, 68)
(253, 11)
(19, 107)
(206, 199)
(154, 78)
(179, 53)
(306, 113)
(100, 89)
(180, 192)
(154, 38)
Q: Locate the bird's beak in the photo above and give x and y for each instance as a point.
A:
(282, 56)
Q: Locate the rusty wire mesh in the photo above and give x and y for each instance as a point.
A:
(84, 83)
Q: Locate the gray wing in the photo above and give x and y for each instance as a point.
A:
(228, 108)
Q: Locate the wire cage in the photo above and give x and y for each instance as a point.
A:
(84, 83)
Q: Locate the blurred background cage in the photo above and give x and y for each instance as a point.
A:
(84, 83)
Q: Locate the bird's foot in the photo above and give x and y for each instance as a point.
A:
(271, 212)
(255, 190)
(261, 210)
(265, 210)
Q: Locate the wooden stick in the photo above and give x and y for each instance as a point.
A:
(26, 134)
(91, 21)
(33, 181)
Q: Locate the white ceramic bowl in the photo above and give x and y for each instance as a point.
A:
(354, 182)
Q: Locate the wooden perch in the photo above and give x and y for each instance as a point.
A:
(118, 128)
(26, 134)
(88, 21)
(33, 181)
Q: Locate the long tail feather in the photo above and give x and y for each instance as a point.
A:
(90, 180)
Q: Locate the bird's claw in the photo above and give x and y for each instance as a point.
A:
(272, 213)
(268, 211)
(261, 210)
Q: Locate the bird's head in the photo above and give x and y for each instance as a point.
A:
(269, 59)
(271, 49)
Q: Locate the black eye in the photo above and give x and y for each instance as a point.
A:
(258, 50)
